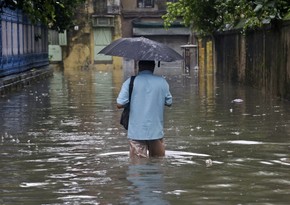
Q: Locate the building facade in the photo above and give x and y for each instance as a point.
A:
(135, 18)
(144, 18)
(99, 22)
(106, 26)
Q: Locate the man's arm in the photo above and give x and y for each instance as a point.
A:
(123, 97)
(168, 96)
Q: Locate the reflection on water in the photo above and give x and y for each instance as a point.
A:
(61, 139)
(147, 183)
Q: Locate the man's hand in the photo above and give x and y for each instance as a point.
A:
(119, 106)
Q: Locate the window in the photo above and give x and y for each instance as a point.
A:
(145, 3)
(4, 38)
(9, 38)
(113, 6)
(14, 39)
(21, 48)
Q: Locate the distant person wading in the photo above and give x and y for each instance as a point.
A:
(150, 94)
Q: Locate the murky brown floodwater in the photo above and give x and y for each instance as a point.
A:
(61, 143)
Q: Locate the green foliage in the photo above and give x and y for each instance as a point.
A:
(200, 14)
(208, 16)
(287, 17)
(57, 14)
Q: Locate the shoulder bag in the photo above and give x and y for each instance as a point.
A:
(126, 112)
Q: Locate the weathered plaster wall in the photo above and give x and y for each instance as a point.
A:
(78, 52)
(260, 59)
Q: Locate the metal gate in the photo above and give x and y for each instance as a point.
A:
(23, 46)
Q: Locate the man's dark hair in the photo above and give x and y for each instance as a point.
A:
(146, 65)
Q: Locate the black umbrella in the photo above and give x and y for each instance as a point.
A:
(140, 48)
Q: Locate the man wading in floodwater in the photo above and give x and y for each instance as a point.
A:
(150, 94)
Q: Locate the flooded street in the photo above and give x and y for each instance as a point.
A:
(61, 143)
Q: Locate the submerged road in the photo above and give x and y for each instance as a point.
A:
(61, 143)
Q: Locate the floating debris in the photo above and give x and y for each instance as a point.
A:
(237, 101)
(208, 163)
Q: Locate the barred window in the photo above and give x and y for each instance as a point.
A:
(145, 3)
(21, 48)
(4, 38)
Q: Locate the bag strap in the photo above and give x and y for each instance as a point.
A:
(131, 86)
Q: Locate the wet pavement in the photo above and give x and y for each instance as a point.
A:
(61, 143)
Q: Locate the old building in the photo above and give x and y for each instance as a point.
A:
(106, 26)
(144, 18)
(99, 22)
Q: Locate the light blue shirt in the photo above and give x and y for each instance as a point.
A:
(150, 94)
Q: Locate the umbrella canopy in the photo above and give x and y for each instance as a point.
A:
(140, 48)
